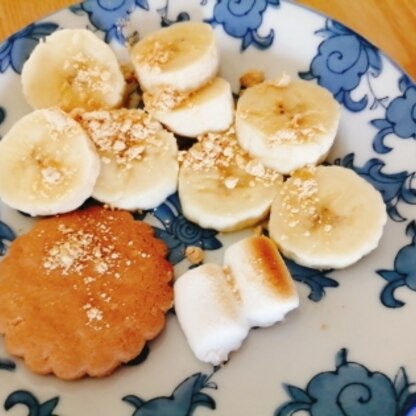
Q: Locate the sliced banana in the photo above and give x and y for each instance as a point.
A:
(327, 217)
(209, 312)
(183, 56)
(48, 165)
(222, 187)
(287, 124)
(139, 166)
(73, 68)
(210, 108)
(266, 287)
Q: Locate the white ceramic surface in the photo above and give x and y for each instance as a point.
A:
(350, 347)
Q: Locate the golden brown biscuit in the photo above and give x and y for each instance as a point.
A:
(83, 292)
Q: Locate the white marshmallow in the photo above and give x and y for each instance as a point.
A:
(266, 287)
(209, 311)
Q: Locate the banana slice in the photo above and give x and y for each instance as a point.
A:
(266, 287)
(209, 312)
(139, 158)
(222, 187)
(183, 56)
(327, 217)
(73, 68)
(287, 124)
(211, 108)
(48, 164)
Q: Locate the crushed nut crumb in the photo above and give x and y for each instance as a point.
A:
(221, 152)
(280, 82)
(231, 182)
(76, 250)
(94, 314)
(163, 98)
(156, 54)
(194, 254)
(58, 121)
(122, 135)
(300, 197)
(51, 176)
(86, 81)
(293, 132)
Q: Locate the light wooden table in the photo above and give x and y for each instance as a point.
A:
(389, 24)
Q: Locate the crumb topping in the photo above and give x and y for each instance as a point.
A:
(51, 171)
(163, 98)
(78, 250)
(221, 152)
(194, 254)
(86, 72)
(284, 123)
(89, 255)
(293, 131)
(121, 135)
(300, 198)
(299, 195)
(51, 175)
(84, 77)
(58, 121)
(280, 82)
(156, 53)
(93, 313)
(231, 182)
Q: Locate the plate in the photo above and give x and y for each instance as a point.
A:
(349, 348)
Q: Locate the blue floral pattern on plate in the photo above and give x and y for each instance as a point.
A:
(34, 407)
(6, 236)
(15, 50)
(317, 280)
(7, 364)
(179, 233)
(400, 118)
(404, 272)
(109, 15)
(352, 389)
(395, 188)
(2, 114)
(353, 70)
(242, 19)
(343, 59)
(164, 15)
(186, 397)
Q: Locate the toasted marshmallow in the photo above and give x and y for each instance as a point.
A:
(266, 287)
(208, 307)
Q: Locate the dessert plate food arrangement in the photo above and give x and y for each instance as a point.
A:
(204, 211)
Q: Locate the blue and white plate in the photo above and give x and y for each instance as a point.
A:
(350, 347)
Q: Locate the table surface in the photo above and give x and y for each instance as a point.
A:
(389, 24)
